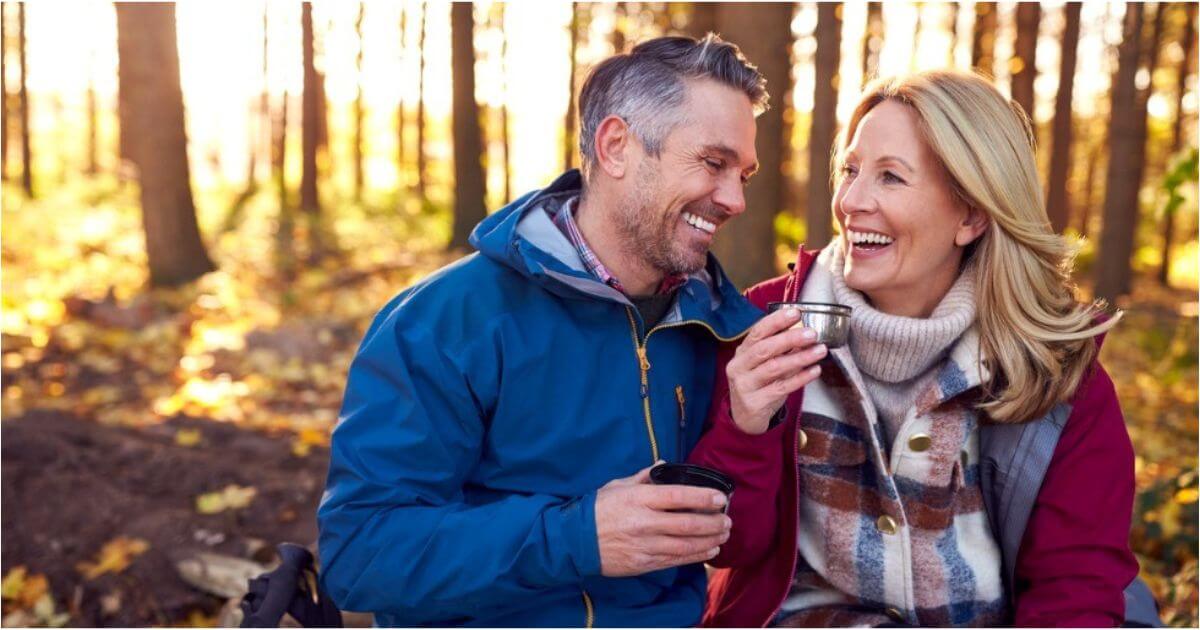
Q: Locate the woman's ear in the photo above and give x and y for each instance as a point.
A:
(973, 225)
(613, 140)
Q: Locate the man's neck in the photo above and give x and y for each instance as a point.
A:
(637, 277)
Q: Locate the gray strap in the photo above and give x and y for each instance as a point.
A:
(1014, 462)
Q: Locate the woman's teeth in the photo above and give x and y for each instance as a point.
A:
(698, 223)
(868, 238)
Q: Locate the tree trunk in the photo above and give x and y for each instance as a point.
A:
(746, 245)
(824, 125)
(93, 148)
(1189, 45)
(285, 228)
(505, 142)
(401, 174)
(469, 191)
(26, 150)
(358, 108)
(953, 30)
(569, 122)
(1029, 15)
(702, 19)
(1121, 191)
(620, 16)
(1057, 203)
(1150, 51)
(310, 203)
(1089, 188)
(421, 103)
(983, 38)
(149, 81)
(919, 9)
(3, 96)
(872, 41)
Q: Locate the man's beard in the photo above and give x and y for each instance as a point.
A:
(648, 229)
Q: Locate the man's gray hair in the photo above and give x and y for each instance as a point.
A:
(646, 85)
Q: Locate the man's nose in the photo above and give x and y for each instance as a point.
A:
(731, 196)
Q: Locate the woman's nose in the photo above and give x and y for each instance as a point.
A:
(856, 198)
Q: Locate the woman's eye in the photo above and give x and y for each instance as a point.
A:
(849, 171)
(891, 178)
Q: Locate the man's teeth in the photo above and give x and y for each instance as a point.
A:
(699, 223)
(864, 238)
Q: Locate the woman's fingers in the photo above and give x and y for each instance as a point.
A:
(785, 365)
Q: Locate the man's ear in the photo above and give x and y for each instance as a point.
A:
(613, 141)
(972, 226)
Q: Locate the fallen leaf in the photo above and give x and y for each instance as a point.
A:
(114, 557)
(231, 497)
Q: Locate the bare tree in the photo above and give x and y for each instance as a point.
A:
(569, 122)
(747, 245)
(1121, 191)
(310, 203)
(620, 17)
(872, 41)
(824, 124)
(1189, 46)
(505, 143)
(983, 38)
(702, 19)
(401, 118)
(26, 149)
(1029, 15)
(421, 104)
(149, 82)
(3, 94)
(358, 107)
(1060, 156)
(469, 190)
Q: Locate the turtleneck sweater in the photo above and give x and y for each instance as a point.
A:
(897, 355)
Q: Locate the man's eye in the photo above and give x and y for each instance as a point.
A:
(715, 165)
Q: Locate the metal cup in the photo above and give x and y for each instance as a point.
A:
(831, 321)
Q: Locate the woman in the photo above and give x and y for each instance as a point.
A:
(861, 495)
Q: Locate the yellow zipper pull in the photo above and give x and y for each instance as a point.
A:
(643, 361)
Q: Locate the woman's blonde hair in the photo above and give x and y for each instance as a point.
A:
(1037, 340)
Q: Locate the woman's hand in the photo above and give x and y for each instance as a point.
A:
(772, 362)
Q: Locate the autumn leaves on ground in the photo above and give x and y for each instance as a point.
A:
(142, 429)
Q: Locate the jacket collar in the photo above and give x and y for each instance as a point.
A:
(523, 237)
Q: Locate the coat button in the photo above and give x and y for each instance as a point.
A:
(801, 440)
(895, 615)
(920, 442)
(886, 524)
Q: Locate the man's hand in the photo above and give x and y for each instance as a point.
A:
(772, 362)
(638, 534)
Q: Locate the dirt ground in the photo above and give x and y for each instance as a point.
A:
(71, 485)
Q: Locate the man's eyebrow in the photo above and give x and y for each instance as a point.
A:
(728, 153)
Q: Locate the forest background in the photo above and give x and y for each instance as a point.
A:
(203, 206)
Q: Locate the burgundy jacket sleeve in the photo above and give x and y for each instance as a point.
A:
(1075, 561)
(754, 461)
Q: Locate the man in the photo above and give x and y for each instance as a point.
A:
(490, 466)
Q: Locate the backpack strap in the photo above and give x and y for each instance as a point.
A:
(1013, 463)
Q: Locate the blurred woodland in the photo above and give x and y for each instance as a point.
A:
(203, 207)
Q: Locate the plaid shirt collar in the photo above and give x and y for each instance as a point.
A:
(565, 220)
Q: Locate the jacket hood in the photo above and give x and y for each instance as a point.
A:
(523, 237)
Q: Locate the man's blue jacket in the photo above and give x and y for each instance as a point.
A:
(485, 407)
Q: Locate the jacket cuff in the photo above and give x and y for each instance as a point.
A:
(575, 523)
(739, 441)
